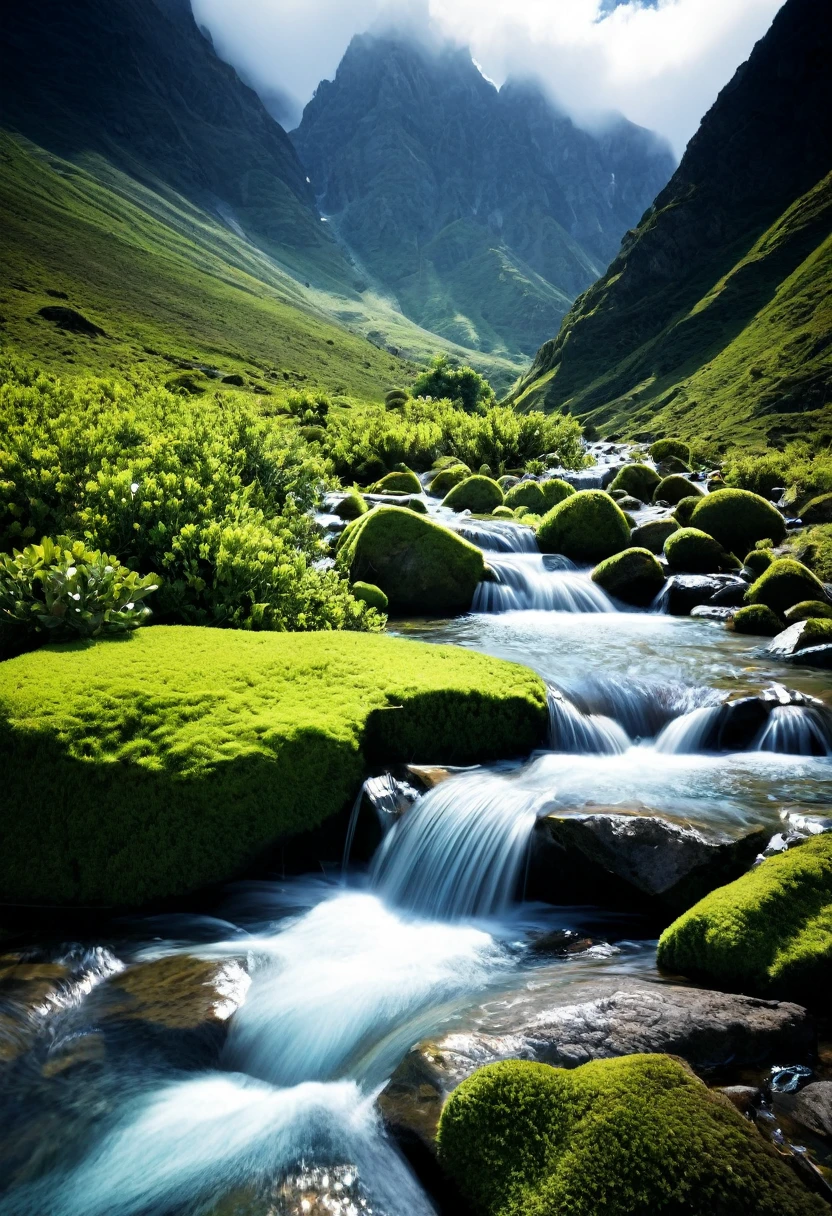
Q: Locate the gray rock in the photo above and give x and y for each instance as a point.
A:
(746, 1098)
(687, 591)
(811, 1107)
(712, 612)
(738, 723)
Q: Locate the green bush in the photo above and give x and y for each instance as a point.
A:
(351, 505)
(758, 560)
(60, 590)
(555, 489)
(527, 494)
(371, 595)
(445, 381)
(639, 480)
(477, 494)
(803, 468)
(814, 549)
(808, 610)
(446, 479)
(662, 449)
(395, 397)
(146, 766)
(634, 576)
(783, 584)
(738, 519)
(693, 552)
(653, 534)
(685, 508)
(769, 931)
(587, 526)
(634, 1136)
(674, 488)
(757, 618)
(398, 483)
(817, 510)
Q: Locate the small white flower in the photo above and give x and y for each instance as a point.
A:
(131, 606)
(134, 487)
(71, 572)
(108, 569)
(76, 596)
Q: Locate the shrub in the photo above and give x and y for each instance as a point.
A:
(395, 397)
(351, 505)
(785, 583)
(527, 494)
(653, 534)
(738, 519)
(634, 1136)
(685, 508)
(587, 526)
(693, 552)
(59, 590)
(634, 576)
(757, 618)
(462, 385)
(371, 595)
(555, 489)
(674, 488)
(636, 479)
(153, 764)
(446, 479)
(664, 448)
(398, 483)
(477, 494)
(805, 471)
(814, 549)
(769, 931)
(808, 610)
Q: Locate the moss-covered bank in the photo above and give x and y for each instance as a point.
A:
(152, 765)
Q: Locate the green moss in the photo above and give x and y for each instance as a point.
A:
(636, 479)
(653, 534)
(416, 504)
(351, 506)
(399, 483)
(635, 1136)
(371, 595)
(808, 610)
(421, 566)
(685, 508)
(814, 549)
(146, 768)
(817, 632)
(694, 552)
(818, 510)
(479, 495)
(527, 494)
(446, 479)
(757, 619)
(555, 489)
(506, 482)
(634, 576)
(521, 512)
(758, 560)
(738, 519)
(664, 448)
(783, 584)
(503, 513)
(674, 488)
(768, 931)
(587, 526)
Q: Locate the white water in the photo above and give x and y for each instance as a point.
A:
(686, 733)
(797, 730)
(573, 731)
(501, 536)
(525, 581)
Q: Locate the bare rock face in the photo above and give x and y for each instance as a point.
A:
(811, 1107)
(709, 1030)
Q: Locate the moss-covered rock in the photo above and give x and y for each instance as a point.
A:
(351, 505)
(783, 584)
(758, 560)
(808, 610)
(739, 519)
(691, 551)
(634, 576)
(503, 513)
(685, 508)
(555, 489)
(370, 594)
(634, 1136)
(146, 766)
(587, 526)
(405, 482)
(416, 504)
(521, 512)
(818, 510)
(674, 488)
(527, 494)
(419, 565)
(507, 481)
(663, 449)
(653, 534)
(757, 619)
(446, 479)
(479, 495)
(628, 503)
(636, 479)
(769, 931)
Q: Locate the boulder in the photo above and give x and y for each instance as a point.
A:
(757, 619)
(802, 638)
(758, 561)
(351, 506)
(554, 491)
(653, 534)
(811, 1106)
(503, 513)
(628, 503)
(690, 551)
(737, 724)
(672, 464)
(637, 480)
(371, 595)
(685, 508)
(808, 610)
(507, 481)
(674, 488)
(479, 495)
(713, 612)
(418, 564)
(586, 526)
(783, 584)
(818, 510)
(634, 576)
(527, 494)
(446, 479)
(399, 483)
(662, 449)
(739, 519)
(687, 591)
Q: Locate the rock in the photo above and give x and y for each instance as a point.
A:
(633, 856)
(712, 612)
(674, 488)
(757, 619)
(800, 639)
(808, 610)
(70, 320)
(811, 1107)
(403, 482)
(738, 722)
(690, 551)
(506, 482)
(783, 584)
(370, 595)
(527, 494)
(587, 526)
(431, 774)
(636, 480)
(446, 479)
(688, 591)
(746, 1098)
(664, 448)
(477, 494)
(350, 506)
(554, 491)
(739, 519)
(653, 534)
(634, 576)
(758, 561)
(628, 503)
(674, 465)
(562, 943)
(730, 596)
(818, 511)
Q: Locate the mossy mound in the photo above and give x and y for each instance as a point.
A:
(783, 584)
(503, 513)
(480, 495)
(685, 508)
(738, 519)
(403, 482)
(527, 494)
(653, 534)
(555, 489)
(507, 481)
(634, 1136)
(769, 931)
(416, 504)
(587, 526)
(371, 595)
(691, 551)
(636, 479)
(758, 560)
(351, 506)
(663, 449)
(808, 610)
(757, 619)
(419, 565)
(818, 510)
(634, 576)
(673, 465)
(146, 766)
(446, 479)
(674, 488)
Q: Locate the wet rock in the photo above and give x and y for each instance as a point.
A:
(730, 596)
(688, 591)
(633, 856)
(738, 723)
(811, 1107)
(712, 612)
(746, 1098)
(429, 775)
(562, 943)
(25, 986)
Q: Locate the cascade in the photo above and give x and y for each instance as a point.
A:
(573, 731)
(686, 733)
(796, 730)
(498, 536)
(528, 581)
(641, 707)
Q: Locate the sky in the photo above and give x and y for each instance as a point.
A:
(659, 62)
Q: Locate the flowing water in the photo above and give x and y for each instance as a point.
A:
(116, 1109)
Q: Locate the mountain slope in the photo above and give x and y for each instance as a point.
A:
(715, 319)
(485, 211)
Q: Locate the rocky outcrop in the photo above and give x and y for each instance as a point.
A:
(811, 1107)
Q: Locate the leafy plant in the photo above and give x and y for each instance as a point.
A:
(462, 385)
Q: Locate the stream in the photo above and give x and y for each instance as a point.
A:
(331, 978)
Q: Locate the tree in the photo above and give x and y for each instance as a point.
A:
(459, 384)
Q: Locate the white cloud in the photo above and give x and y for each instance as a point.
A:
(661, 63)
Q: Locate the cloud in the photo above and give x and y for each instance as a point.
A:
(660, 62)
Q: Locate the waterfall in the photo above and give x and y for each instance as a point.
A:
(497, 537)
(584, 734)
(461, 849)
(687, 733)
(641, 707)
(523, 580)
(795, 730)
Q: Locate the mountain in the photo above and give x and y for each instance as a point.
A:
(484, 211)
(715, 320)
